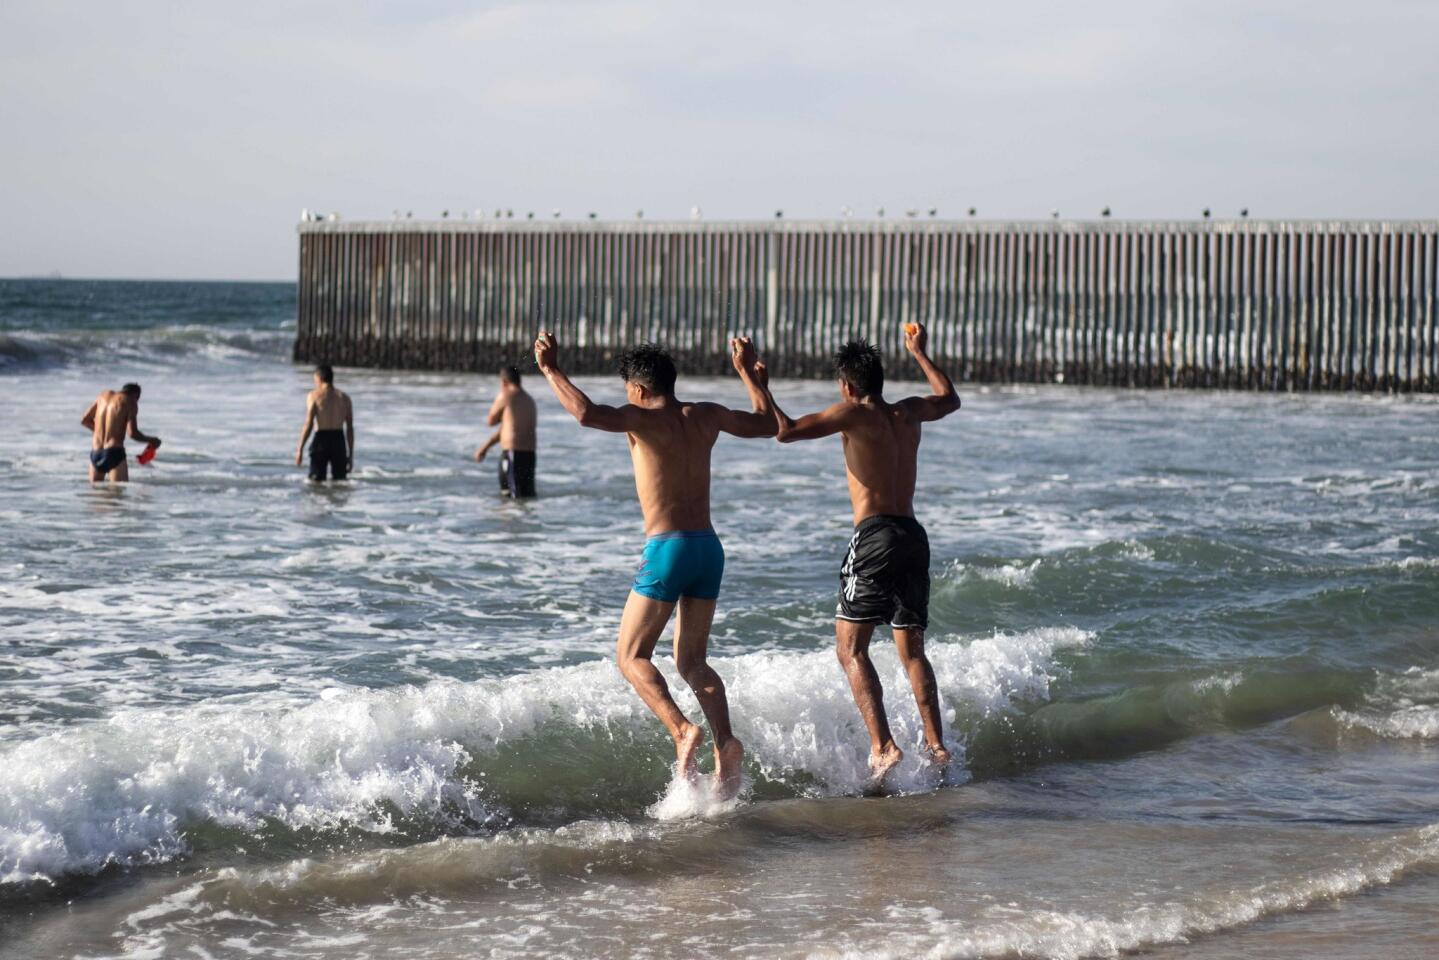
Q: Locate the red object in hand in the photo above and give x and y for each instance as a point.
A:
(147, 454)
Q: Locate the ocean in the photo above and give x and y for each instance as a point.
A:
(1187, 646)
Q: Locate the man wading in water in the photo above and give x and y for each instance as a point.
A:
(110, 419)
(683, 561)
(514, 411)
(326, 411)
(885, 576)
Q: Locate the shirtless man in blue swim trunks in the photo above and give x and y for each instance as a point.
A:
(111, 418)
(683, 561)
(885, 574)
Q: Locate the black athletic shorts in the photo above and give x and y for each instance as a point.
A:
(517, 473)
(885, 577)
(328, 449)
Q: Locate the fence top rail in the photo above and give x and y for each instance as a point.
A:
(870, 227)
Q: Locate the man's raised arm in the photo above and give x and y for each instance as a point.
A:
(755, 377)
(943, 399)
(88, 421)
(573, 399)
(812, 426)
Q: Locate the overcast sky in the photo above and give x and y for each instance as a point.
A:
(145, 139)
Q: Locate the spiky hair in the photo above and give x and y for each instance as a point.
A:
(649, 366)
(858, 364)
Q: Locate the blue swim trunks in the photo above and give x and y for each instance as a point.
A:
(683, 563)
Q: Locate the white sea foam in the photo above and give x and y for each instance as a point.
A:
(1418, 722)
(1061, 935)
(122, 791)
(1218, 683)
(1401, 707)
(1008, 574)
(686, 799)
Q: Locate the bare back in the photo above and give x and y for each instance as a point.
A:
(670, 446)
(881, 449)
(113, 414)
(517, 422)
(331, 407)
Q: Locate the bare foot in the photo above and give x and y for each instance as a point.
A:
(883, 762)
(729, 769)
(687, 744)
(937, 754)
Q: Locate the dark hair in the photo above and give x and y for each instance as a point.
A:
(133, 389)
(326, 372)
(650, 367)
(857, 363)
(510, 375)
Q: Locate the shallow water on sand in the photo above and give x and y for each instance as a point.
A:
(1186, 645)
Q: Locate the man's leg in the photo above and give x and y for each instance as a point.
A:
(640, 628)
(853, 649)
(524, 473)
(121, 473)
(909, 643)
(692, 635)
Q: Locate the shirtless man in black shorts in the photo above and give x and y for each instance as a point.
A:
(885, 576)
(326, 411)
(111, 418)
(514, 411)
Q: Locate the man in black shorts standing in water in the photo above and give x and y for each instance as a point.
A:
(885, 576)
(514, 411)
(326, 411)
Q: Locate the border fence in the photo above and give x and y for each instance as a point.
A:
(1269, 305)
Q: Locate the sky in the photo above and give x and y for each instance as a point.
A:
(181, 140)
